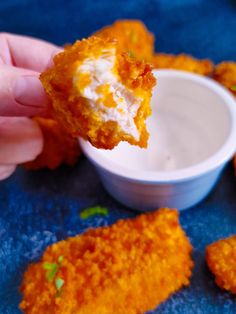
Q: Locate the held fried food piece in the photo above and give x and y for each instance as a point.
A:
(59, 147)
(225, 73)
(132, 36)
(127, 268)
(182, 62)
(99, 94)
(221, 260)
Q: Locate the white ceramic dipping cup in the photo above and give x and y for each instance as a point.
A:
(192, 136)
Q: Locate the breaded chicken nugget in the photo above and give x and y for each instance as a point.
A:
(225, 73)
(127, 268)
(221, 260)
(132, 36)
(59, 147)
(99, 94)
(182, 62)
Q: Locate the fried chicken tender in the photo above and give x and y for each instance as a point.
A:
(221, 260)
(59, 147)
(127, 268)
(100, 94)
(225, 74)
(182, 62)
(132, 36)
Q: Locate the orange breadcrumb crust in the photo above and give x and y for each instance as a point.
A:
(58, 148)
(182, 62)
(225, 73)
(74, 111)
(221, 260)
(127, 268)
(132, 36)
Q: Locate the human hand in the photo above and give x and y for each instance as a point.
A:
(21, 96)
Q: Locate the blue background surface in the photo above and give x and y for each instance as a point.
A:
(39, 208)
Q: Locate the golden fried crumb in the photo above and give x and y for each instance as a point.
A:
(132, 36)
(100, 94)
(182, 62)
(58, 148)
(225, 74)
(127, 268)
(221, 260)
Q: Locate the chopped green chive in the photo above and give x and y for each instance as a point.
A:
(233, 87)
(92, 211)
(48, 266)
(59, 283)
(130, 54)
(60, 258)
(51, 270)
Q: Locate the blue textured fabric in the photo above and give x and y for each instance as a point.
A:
(39, 208)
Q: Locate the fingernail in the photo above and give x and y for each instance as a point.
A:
(28, 91)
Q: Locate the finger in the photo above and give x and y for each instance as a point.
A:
(6, 171)
(26, 52)
(21, 92)
(21, 140)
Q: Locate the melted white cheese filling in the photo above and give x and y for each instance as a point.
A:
(101, 72)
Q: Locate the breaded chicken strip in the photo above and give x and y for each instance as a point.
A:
(58, 148)
(182, 62)
(100, 94)
(221, 260)
(132, 37)
(127, 268)
(225, 73)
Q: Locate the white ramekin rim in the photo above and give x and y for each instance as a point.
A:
(224, 154)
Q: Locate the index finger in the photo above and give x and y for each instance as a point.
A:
(26, 52)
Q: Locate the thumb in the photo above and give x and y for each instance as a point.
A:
(6, 171)
(21, 92)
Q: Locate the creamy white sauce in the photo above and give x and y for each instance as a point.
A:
(101, 72)
(189, 124)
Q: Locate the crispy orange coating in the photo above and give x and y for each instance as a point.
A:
(59, 147)
(221, 260)
(225, 73)
(182, 62)
(65, 87)
(132, 36)
(127, 268)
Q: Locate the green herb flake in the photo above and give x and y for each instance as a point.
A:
(233, 88)
(51, 270)
(60, 259)
(131, 54)
(59, 282)
(92, 211)
(48, 266)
